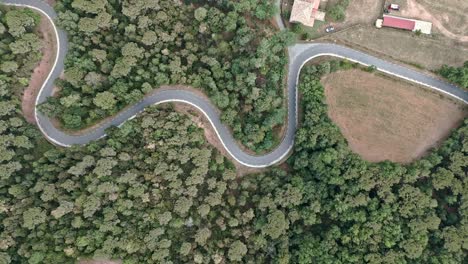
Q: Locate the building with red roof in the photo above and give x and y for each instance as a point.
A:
(404, 23)
(398, 22)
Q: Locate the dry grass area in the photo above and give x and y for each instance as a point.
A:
(387, 119)
(357, 12)
(425, 51)
(361, 12)
(448, 16)
(451, 13)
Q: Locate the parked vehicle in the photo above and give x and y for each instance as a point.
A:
(329, 29)
(394, 7)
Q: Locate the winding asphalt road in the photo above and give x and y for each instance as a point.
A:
(299, 54)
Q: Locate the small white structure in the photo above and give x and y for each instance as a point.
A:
(378, 23)
(424, 26)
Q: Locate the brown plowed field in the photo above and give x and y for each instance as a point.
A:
(387, 119)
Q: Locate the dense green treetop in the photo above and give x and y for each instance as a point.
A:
(457, 75)
(359, 212)
(154, 191)
(121, 50)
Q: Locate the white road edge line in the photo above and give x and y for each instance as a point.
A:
(198, 107)
(50, 73)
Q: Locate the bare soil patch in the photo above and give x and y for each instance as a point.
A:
(429, 52)
(387, 119)
(448, 16)
(40, 73)
(362, 12)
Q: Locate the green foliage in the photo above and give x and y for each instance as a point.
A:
(151, 192)
(33, 217)
(457, 75)
(154, 191)
(371, 68)
(337, 12)
(26, 44)
(237, 250)
(228, 49)
(200, 14)
(19, 21)
(16, 136)
(92, 7)
(297, 28)
(358, 212)
(277, 225)
(8, 66)
(105, 100)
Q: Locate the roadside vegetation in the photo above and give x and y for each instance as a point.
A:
(360, 212)
(19, 48)
(122, 50)
(457, 75)
(153, 191)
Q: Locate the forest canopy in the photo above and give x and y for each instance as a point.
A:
(457, 75)
(121, 50)
(154, 191)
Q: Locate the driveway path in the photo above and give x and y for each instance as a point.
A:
(299, 54)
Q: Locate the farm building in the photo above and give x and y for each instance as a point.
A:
(306, 12)
(404, 23)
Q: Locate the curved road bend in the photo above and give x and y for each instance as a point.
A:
(299, 54)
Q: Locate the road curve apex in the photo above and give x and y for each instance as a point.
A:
(299, 55)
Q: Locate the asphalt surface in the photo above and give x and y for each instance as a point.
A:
(299, 54)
